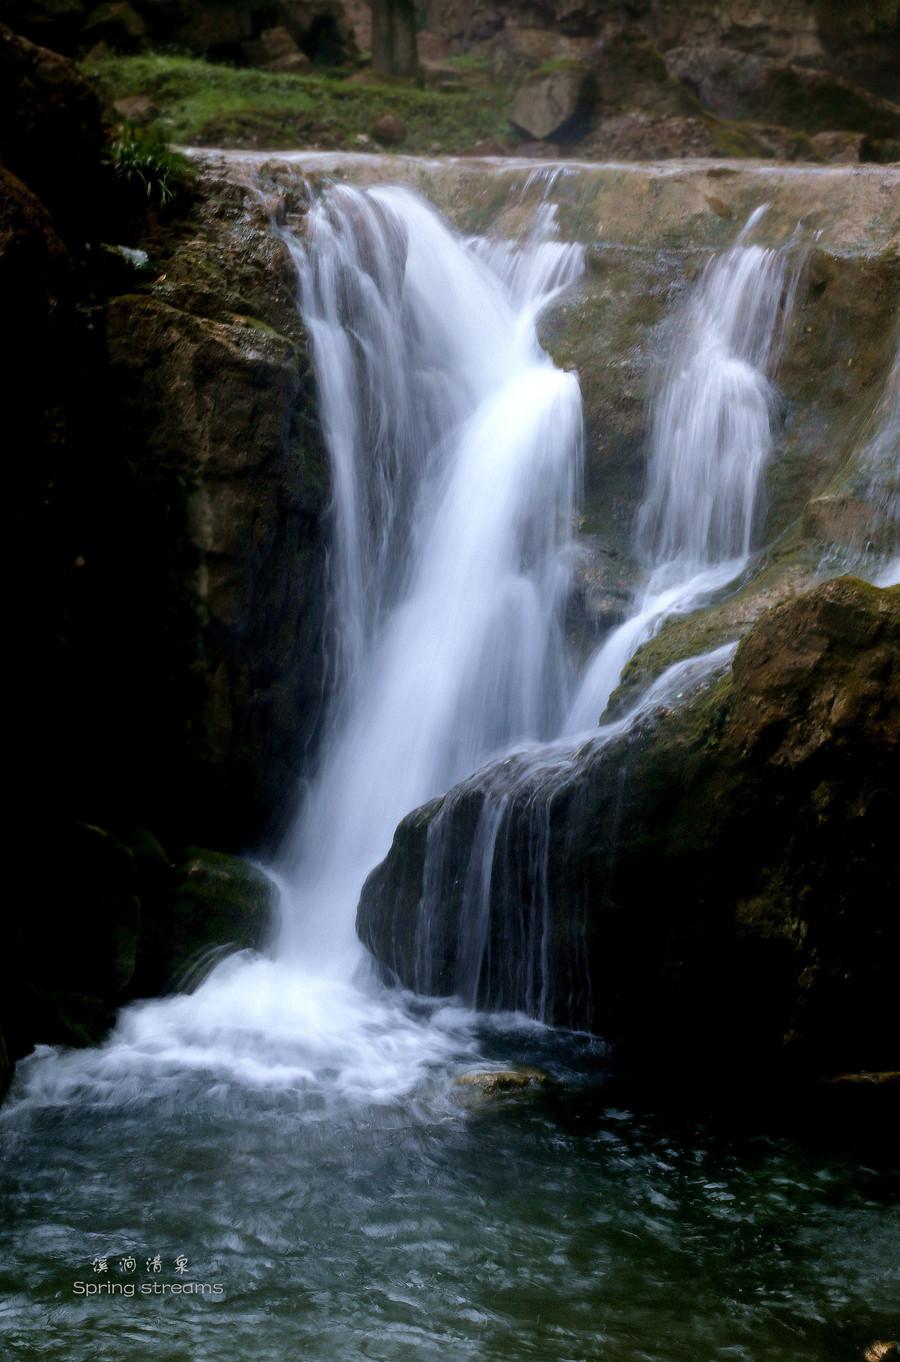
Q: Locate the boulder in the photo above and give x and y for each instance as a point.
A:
(549, 103)
(293, 64)
(502, 1082)
(743, 85)
(214, 904)
(65, 970)
(136, 109)
(720, 883)
(629, 72)
(276, 50)
(519, 48)
(389, 130)
(51, 131)
(840, 147)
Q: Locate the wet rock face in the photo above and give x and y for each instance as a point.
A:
(169, 486)
(137, 923)
(721, 882)
(206, 543)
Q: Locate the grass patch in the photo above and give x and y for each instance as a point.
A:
(206, 104)
(149, 168)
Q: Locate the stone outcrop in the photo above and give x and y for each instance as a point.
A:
(547, 105)
(227, 485)
(721, 880)
(242, 31)
(137, 923)
(168, 486)
(742, 79)
(741, 85)
(51, 131)
(860, 39)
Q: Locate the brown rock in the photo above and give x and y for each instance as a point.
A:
(277, 43)
(518, 48)
(733, 894)
(741, 85)
(839, 146)
(389, 130)
(136, 108)
(548, 104)
(537, 150)
(293, 64)
(503, 1082)
(630, 73)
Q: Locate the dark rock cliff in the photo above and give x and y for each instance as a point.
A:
(168, 490)
(721, 882)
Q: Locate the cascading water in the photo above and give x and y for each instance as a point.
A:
(292, 1126)
(879, 474)
(710, 439)
(455, 450)
(711, 435)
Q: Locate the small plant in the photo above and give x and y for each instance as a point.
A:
(146, 165)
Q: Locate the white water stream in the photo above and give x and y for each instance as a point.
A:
(710, 439)
(455, 449)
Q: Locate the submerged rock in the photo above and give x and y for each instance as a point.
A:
(717, 885)
(502, 1082)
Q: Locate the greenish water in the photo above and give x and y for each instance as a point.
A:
(557, 1225)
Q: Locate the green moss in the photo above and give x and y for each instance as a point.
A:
(554, 64)
(468, 61)
(731, 139)
(822, 102)
(207, 104)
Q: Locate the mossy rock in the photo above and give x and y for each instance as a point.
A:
(720, 881)
(216, 904)
(502, 1084)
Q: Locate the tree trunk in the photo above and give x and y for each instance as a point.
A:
(394, 37)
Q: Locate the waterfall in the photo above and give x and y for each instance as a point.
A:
(507, 954)
(879, 472)
(455, 451)
(710, 439)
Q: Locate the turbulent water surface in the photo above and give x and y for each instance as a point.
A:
(282, 1164)
(421, 1226)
